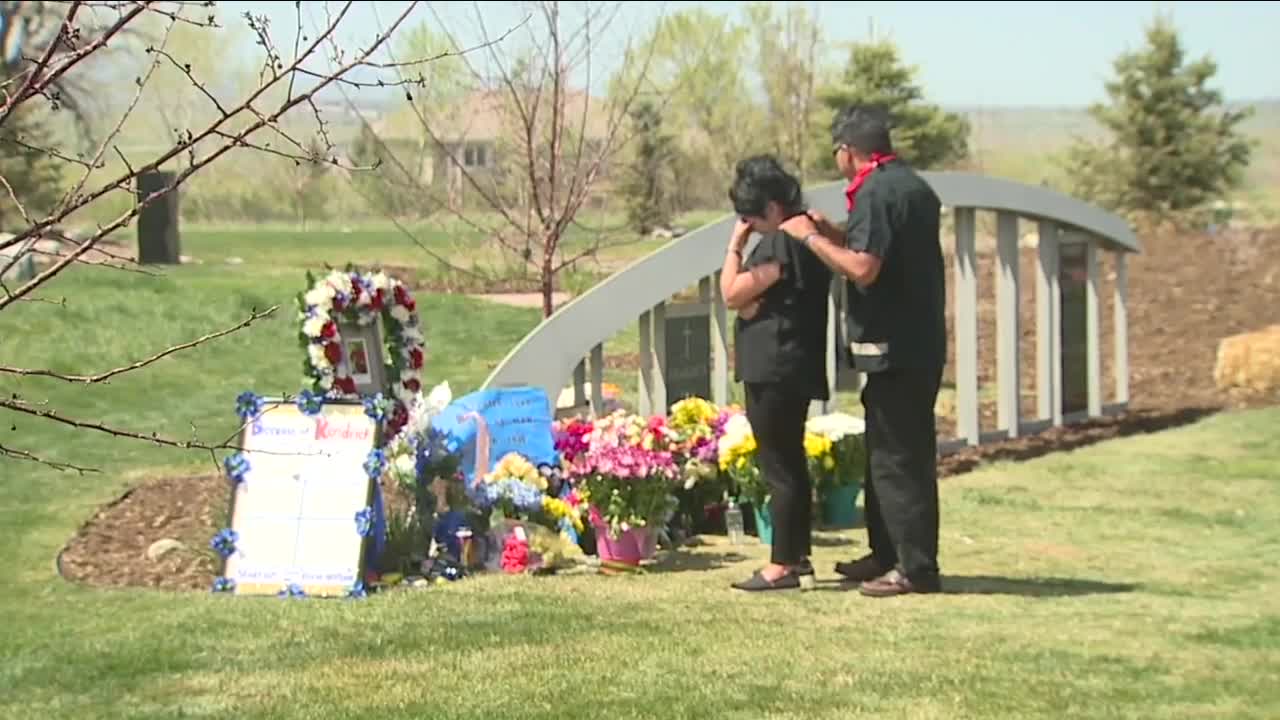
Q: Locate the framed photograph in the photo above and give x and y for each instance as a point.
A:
(362, 357)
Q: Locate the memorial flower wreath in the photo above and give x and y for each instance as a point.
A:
(352, 296)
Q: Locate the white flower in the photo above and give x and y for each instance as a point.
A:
(403, 393)
(380, 281)
(318, 359)
(326, 382)
(339, 279)
(405, 465)
(400, 314)
(439, 398)
(313, 326)
(836, 426)
(320, 296)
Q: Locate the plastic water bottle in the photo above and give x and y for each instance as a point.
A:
(733, 523)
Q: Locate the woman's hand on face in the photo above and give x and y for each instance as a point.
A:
(741, 231)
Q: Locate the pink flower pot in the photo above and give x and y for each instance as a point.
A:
(628, 548)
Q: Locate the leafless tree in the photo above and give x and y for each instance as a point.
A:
(556, 141)
(288, 81)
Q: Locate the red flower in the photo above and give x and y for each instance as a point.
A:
(346, 384)
(338, 302)
(329, 330)
(415, 358)
(376, 302)
(515, 555)
(404, 298)
(333, 352)
(409, 304)
(412, 385)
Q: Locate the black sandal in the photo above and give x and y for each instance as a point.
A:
(758, 583)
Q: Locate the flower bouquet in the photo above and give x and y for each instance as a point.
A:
(698, 425)
(737, 458)
(627, 473)
(838, 464)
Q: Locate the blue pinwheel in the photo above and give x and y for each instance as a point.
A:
(309, 403)
(248, 405)
(375, 463)
(224, 543)
(292, 590)
(364, 522)
(357, 591)
(236, 466)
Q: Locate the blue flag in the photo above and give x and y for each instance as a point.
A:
(518, 419)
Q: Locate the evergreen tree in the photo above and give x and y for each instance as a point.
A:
(1170, 147)
(923, 134)
(647, 179)
(28, 165)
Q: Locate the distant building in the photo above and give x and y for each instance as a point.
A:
(483, 136)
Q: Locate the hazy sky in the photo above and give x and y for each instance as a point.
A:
(969, 53)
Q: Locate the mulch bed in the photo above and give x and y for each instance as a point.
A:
(1185, 294)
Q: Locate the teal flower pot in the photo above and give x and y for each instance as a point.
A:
(840, 507)
(764, 524)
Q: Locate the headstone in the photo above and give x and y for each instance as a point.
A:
(688, 351)
(517, 419)
(306, 509)
(158, 221)
(1073, 275)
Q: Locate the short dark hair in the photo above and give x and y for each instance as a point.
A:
(864, 128)
(760, 179)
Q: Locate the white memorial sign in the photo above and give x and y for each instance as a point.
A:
(295, 511)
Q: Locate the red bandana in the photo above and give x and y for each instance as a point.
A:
(876, 161)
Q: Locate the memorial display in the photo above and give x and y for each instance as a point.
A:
(496, 483)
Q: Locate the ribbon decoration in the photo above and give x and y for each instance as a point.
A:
(482, 446)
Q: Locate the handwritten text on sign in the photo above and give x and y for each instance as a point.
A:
(295, 511)
(518, 420)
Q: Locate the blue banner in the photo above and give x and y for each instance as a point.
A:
(518, 419)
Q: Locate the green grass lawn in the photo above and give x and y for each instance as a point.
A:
(1127, 580)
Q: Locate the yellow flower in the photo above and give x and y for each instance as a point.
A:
(816, 446)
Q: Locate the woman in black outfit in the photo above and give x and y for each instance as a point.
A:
(780, 295)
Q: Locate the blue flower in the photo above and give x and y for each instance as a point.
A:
(248, 405)
(364, 522)
(357, 590)
(375, 406)
(292, 590)
(224, 543)
(236, 466)
(525, 497)
(375, 464)
(223, 584)
(309, 403)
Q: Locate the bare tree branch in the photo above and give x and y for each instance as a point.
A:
(105, 376)
(256, 121)
(60, 466)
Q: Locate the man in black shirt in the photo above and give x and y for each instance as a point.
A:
(891, 256)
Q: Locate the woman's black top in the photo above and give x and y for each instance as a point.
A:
(786, 340)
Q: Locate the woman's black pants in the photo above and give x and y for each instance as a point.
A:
(777, 414)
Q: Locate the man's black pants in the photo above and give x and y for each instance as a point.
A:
(777, 414)
(902, 470)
